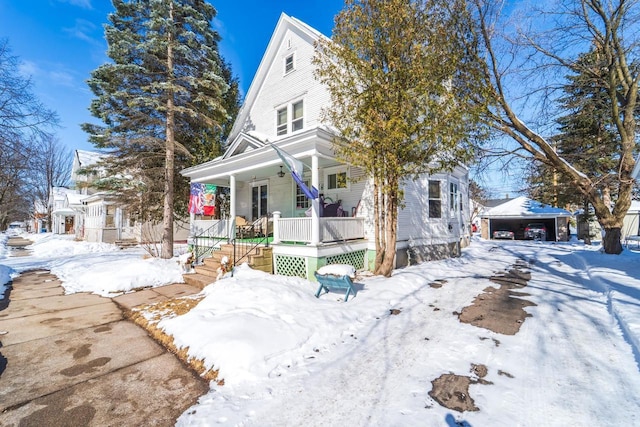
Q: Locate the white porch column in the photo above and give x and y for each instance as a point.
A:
(315, 203)
(232, 206)
(276, 227)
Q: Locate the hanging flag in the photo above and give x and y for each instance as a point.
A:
(202, 199)
(296, 167)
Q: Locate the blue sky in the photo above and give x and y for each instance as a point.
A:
(59, 43)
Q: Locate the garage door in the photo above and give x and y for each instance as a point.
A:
(517, 225)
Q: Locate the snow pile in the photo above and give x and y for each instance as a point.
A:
(288, 358)
(99, 268)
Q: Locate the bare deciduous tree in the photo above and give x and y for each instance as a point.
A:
(541, 59)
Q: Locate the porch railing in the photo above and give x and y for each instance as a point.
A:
(332, 229)
(205, 240)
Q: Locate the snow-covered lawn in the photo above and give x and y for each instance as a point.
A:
(288, 358)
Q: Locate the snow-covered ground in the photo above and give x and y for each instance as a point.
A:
(290, 359)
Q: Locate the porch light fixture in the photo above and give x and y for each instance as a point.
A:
(281, 173)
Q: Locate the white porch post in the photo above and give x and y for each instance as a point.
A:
(232, 206)
(315, 203)
(276, 227)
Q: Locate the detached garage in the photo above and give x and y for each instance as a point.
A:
(516, 214)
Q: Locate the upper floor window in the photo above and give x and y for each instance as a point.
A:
(289, 64)
(295, 111)
(296, 120)
(282, 121)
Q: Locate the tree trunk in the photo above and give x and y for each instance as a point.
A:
(378, 215)
(611, 240)
(390, 228)
(167, 213)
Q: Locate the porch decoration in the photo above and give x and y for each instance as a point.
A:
(202, 199)
(296, 167)
(336, 276)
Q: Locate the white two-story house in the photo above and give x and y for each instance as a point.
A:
(282, 107)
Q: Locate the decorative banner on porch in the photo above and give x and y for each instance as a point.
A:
(296, 167)
(202, 199)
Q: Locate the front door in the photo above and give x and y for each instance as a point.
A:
(259, 201)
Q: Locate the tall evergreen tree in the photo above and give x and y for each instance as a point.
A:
(405, 97)
(159, 98)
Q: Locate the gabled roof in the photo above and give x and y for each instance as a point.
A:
(492, 203)
(88, 158)
(83, 159)
(245, 141)
(525, 207)
(284, 24)
(60, 193)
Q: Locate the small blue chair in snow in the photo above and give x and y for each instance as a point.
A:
(331, 281)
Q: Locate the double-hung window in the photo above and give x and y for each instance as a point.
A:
(282, 122)
(290, 118)
(435, 200)
(454, 197)
(296, 119)
(301, 199)
(289, 64)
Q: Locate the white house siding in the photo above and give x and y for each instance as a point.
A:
(420, 238)
(278, 89)
(351, 197)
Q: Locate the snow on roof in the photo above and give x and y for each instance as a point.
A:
(59, 193)
(75, 199)
(524, 206)
(88, 158)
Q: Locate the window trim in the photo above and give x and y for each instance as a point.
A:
(288, 109)
(335, 171)
(437, 199)
(454, 198)
(293, 64)
(282, 128)
(297, 192)
(300, 119)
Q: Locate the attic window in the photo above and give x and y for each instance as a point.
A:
(288, 64)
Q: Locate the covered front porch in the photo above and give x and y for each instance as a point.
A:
(267, 207)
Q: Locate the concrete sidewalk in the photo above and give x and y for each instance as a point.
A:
(73, 360)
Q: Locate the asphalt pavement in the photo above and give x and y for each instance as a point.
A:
(74, 360)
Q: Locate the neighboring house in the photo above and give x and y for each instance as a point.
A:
(516, 214)
(63, 217)
(631, 225)
(39, 220)
(480, 207)
(283, 106)
(100, 217)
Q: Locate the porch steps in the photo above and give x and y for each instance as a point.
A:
(198, 280)
(126, 243)
(207, 272)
